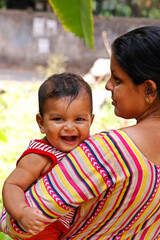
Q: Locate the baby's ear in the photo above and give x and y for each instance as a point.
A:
(92, 118)
(150, 90)
(39, 120)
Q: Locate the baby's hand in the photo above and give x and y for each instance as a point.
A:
(32, 220)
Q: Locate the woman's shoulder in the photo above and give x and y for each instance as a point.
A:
(112, 132)
(114, 138)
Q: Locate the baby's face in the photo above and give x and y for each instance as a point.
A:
(66, 124)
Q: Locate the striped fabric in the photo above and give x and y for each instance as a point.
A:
(114, 186)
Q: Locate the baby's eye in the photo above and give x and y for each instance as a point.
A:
(57, 119)
(79, 119)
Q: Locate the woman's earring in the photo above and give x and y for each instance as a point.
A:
(146, 99)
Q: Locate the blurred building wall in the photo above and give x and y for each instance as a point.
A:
(29, 38)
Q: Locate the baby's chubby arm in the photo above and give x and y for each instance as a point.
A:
(29, 169)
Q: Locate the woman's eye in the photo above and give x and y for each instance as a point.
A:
(117, 80)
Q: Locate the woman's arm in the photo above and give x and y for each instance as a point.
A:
(81, 175)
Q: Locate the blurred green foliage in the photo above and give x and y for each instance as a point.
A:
(18, 106)
(4, 237)
(3, 4)
(127, 8)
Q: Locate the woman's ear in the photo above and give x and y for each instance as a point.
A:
(39, 120)
(150, 91)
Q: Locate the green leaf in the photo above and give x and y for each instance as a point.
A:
(76, 16)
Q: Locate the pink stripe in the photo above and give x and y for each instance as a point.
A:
(113, 208)
(135, 231)
(40, 200)
(74, 229)
(136, 161)
(115, 155)
(158, 217)
(102, 158)
(26, 200)
(97, 227)
(78, 163)
(86, 225)
(72, 183)
(144, 232)
(58, 186)
(53, 194)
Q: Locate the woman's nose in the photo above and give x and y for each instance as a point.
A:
(108, 85)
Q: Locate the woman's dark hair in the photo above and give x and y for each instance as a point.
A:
(63, 85)
(138, 53)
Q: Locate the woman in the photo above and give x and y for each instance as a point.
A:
(114, 176)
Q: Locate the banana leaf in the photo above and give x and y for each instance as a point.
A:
(76, 16)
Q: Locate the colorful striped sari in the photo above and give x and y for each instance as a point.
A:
(114, 187)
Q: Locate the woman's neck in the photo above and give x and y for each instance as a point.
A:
(149, 113)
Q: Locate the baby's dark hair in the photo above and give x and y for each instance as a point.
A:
(63, 85)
